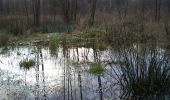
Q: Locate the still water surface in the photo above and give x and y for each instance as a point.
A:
(58, 75)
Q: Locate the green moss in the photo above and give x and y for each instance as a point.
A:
(96, 68)
(27, 64)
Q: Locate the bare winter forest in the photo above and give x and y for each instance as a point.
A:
(84, 49)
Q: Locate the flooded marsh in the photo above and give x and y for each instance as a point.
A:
(79, 73)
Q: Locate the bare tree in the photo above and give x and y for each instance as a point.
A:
(65, 8)
(122, 6)
(157, 10)
(74, 10)
(69, 10)
(143, 7)
(93, 11)
(1, 7)
(168, 3)
(36, 12)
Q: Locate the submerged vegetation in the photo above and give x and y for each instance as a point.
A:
(27, 64)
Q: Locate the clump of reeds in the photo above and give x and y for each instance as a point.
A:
(96, 68)
(54, 42)
(145, 75)
(27, 64)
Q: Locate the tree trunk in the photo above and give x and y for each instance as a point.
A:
(80, 85)
(157, 10)
(65, 7)
(37, 78)
(143, 7)
(36, 12)
(1, 7)
(93, 11)
(37, 21)
(26, 11)
(43, 76)
(74, 10)
(100, 87)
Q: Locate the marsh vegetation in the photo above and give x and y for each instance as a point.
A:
(84, 50)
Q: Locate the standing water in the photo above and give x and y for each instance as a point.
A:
(55, 76)
(70, 73)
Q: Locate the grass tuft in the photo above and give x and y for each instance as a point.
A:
(145, 75)
(54, 42)
(96, 68)
(27, 64)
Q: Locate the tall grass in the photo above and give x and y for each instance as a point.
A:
(54, 43)
(145, 75)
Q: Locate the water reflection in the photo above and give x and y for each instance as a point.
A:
(66, 76)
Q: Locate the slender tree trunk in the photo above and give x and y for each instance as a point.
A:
(43, 76)
(93, 11)
(126, 8)
(80, 85)
(68, 76)
(157, 10)
(143, 8)
(75, 92)
(37, 16)
(65, 6)
(71, 88)
(74, 10)
(36, 12)
(26, 11)
(64, 80)
(67, 11)
(168, 6)
(100, 87)
(25, 83)
(79, 77)
(37, 78)
(1, 7)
